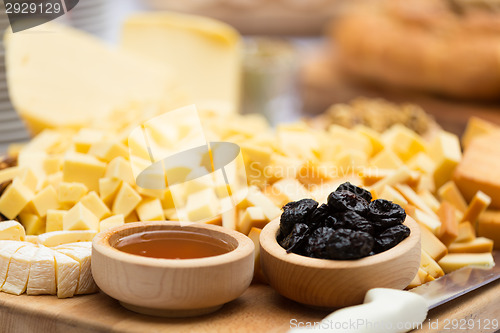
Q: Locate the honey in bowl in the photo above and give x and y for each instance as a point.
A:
(172, 244)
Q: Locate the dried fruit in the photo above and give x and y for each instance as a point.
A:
(349, 226)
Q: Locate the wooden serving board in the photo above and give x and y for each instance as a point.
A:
(259, 309)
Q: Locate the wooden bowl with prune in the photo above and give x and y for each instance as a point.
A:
(330, 255)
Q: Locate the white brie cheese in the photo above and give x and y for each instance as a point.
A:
(19, 269)
(67, 272)
(42, 276)
(86, 284)
(7, 249)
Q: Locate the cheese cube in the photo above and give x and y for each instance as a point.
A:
(489, 226)
(431, 244)
(291, 189)
(85, 138)
(389, 193)
(202, 205)
(251, 217)
(108, 150)
(430, 265)
(350, 139)
(414, 198)
(52, 164)
(84, 169)
(10, 173)
(386, 159)
(71, 192)
(448, 231)
(111, 222)
(33, 223)
(400, 176)
(230, 218)
(466, 232)
(445, 151)
(478, 169)
(96, 205)
(29, 179)
(44, 200)
(126, 200)
(14, 199)
(150, 210)
(422, 162)
(372, 135)
(119, 168)
(54, 221)
(256, 198)
(476, 207)
(12, 230)
(403, 141)
(431, 222)
(132, 217)
(55, 238)
(450, 192)
(53, 180)
(478, 245)
(477, 127)
(108, 188)
(80, 218)
(454, 261)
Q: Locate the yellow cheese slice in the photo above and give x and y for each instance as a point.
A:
(454, 261)
(42, 274)
(56, 238)
(86, 83)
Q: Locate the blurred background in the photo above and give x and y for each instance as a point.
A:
(299, 60)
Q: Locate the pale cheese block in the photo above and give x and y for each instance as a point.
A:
(112, 221)
(7, 250)
(56, 238)
(477, 245)
(86, 284)
(62, 77)
(19, 269)
(12, 230)
(454, 261)
(67, 273)
(42, 275)
(188, 43)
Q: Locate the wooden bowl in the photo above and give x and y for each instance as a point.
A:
(337, 283)
(172, 287)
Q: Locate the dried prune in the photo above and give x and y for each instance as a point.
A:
(295, 212)
(321, 217)
(349, 244)
(360, 192)
(382, 208)
(352, 220)
(391, 237)
(294, 240)
(346, 200)
(318, 242)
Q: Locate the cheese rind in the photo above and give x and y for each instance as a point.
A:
(86, 284)
(7, 250)
(67, 273)
(19, 268)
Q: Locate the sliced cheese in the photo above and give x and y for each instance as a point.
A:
(67, 273)
(477, 206)
(86, 284)
(93, 203)
(19, 269)
(55, 238)
(12, 230)
(454, 261)
(42, 274)
(478, 245)
(7, 250)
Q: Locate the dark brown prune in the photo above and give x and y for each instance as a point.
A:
(360, 192)
(321, 217)
(352, 220)
(318, 241)
(297, 236)
(349, 244)
(391, 237)
(341, 201)
(295, 212)
(381, 208)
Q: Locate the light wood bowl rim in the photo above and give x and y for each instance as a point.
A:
(244, 246)
(269, 243)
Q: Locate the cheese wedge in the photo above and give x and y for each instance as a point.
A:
(67, 273)
(42, 275)
(19, 269)
(86, 284)
(56, 238)
(12, 230)
(188, 43)
(7, 250)
(85, 84)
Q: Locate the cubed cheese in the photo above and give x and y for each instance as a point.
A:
(85, 169)
(202, 205)
(150, 210)
(71, 192)
(108, 187)
(119, 168)
(96, 205)
(12, 230)
(80, 218)
(44, 200)
(446, 153)
(14, 199)
(251, 217)
(126, 200)
(54, 221)
(112, 221)
(33, 223)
